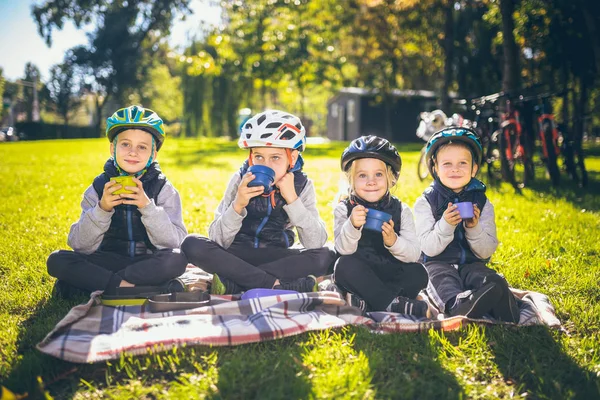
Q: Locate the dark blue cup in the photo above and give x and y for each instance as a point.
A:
(375, 219)
(263, 176)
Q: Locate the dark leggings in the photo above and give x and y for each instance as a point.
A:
(256, 268)
(447, 281)
(378, 284)
(98, 270)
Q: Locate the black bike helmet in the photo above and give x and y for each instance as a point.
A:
(453, 134)
(372, 147)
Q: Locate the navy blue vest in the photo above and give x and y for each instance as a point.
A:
(264, 224)
(370, 245)
(127, 234)
(438, 196)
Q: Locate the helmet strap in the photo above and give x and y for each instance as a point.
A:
(250, 162)
(289, 155)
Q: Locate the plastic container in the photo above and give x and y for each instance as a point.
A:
(375, 219)
(465, 209)
(178, 301)
(255, 293)
(263, 176)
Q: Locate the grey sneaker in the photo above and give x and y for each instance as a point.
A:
(302, 285)
(477, 303)
(355, 301)
(404, 305)
(506, 309)
(175, 285)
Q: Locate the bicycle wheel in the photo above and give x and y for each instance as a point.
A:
(550, 153)
(422, 170)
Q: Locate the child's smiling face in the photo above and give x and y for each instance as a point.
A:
(369, 179)
(275, 158)
(454, 166)
(133, 150)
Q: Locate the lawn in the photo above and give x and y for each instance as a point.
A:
(550, 242)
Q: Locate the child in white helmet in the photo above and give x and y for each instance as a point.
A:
(126, 239)
(250, 238)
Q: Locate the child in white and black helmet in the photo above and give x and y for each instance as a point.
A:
(378, 268)
(250, 239)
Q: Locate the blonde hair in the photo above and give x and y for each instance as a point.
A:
(348, 190)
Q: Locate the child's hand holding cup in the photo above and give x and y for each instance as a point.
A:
(465, 209)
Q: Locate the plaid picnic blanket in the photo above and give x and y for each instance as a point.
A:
(93, 332)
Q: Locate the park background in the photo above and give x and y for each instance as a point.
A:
(297, 55)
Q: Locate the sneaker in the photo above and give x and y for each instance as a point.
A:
(506, 309)
(175, 285)
(63, 290)
(222, 285)
(404, 305)
(355, 301)
(477, 303)
(302, 285)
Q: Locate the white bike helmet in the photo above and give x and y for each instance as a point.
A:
(437, 119)
(273, 128)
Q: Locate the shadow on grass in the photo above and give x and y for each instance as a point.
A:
(534, 361)
(405, 366)
(32, 363)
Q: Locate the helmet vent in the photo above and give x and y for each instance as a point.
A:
(265, 135)
(287, 135)
(248, 135)
(134, 112)
(261, 119)
(248, 126)
(147, 113)
(273, 125)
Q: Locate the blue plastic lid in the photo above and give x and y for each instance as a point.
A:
(262, 169)
(255, 293)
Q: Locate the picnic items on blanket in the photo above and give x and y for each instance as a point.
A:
(178, 301)
(255, 293)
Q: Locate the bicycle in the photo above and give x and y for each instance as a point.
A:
(515, 149)
(485, 123)
(549, 138)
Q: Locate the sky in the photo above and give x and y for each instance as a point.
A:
(20, 41)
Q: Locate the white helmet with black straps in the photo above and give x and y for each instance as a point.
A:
(273, 128)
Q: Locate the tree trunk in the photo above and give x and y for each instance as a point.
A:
(448, 53)
(592, 32)
(510, 80)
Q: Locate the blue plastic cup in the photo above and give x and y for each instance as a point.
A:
(263, 176)
(375, 219)
(465, 209)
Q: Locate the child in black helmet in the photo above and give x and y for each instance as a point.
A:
(456, 251)
(125, 243)
(378, 269)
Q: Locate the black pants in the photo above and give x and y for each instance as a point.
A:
(379, 283)
(446, 281)
(97, 270)
(256, 268)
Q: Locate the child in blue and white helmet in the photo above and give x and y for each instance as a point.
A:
(125, 238)
(455, 251)
(250, 238)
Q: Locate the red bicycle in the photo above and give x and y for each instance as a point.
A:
(549, 138)
(515, 148)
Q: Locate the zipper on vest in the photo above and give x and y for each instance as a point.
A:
(130, 232)
(262, 224)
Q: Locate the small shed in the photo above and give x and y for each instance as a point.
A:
(354, 112)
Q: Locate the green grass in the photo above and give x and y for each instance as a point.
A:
(549, 243)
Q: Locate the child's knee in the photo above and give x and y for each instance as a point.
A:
(177, 263)
(193, 245)
(55, 264)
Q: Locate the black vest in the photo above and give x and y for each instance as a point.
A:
(370, 245)
(264, 224)
(438, 196)
(127, 234)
